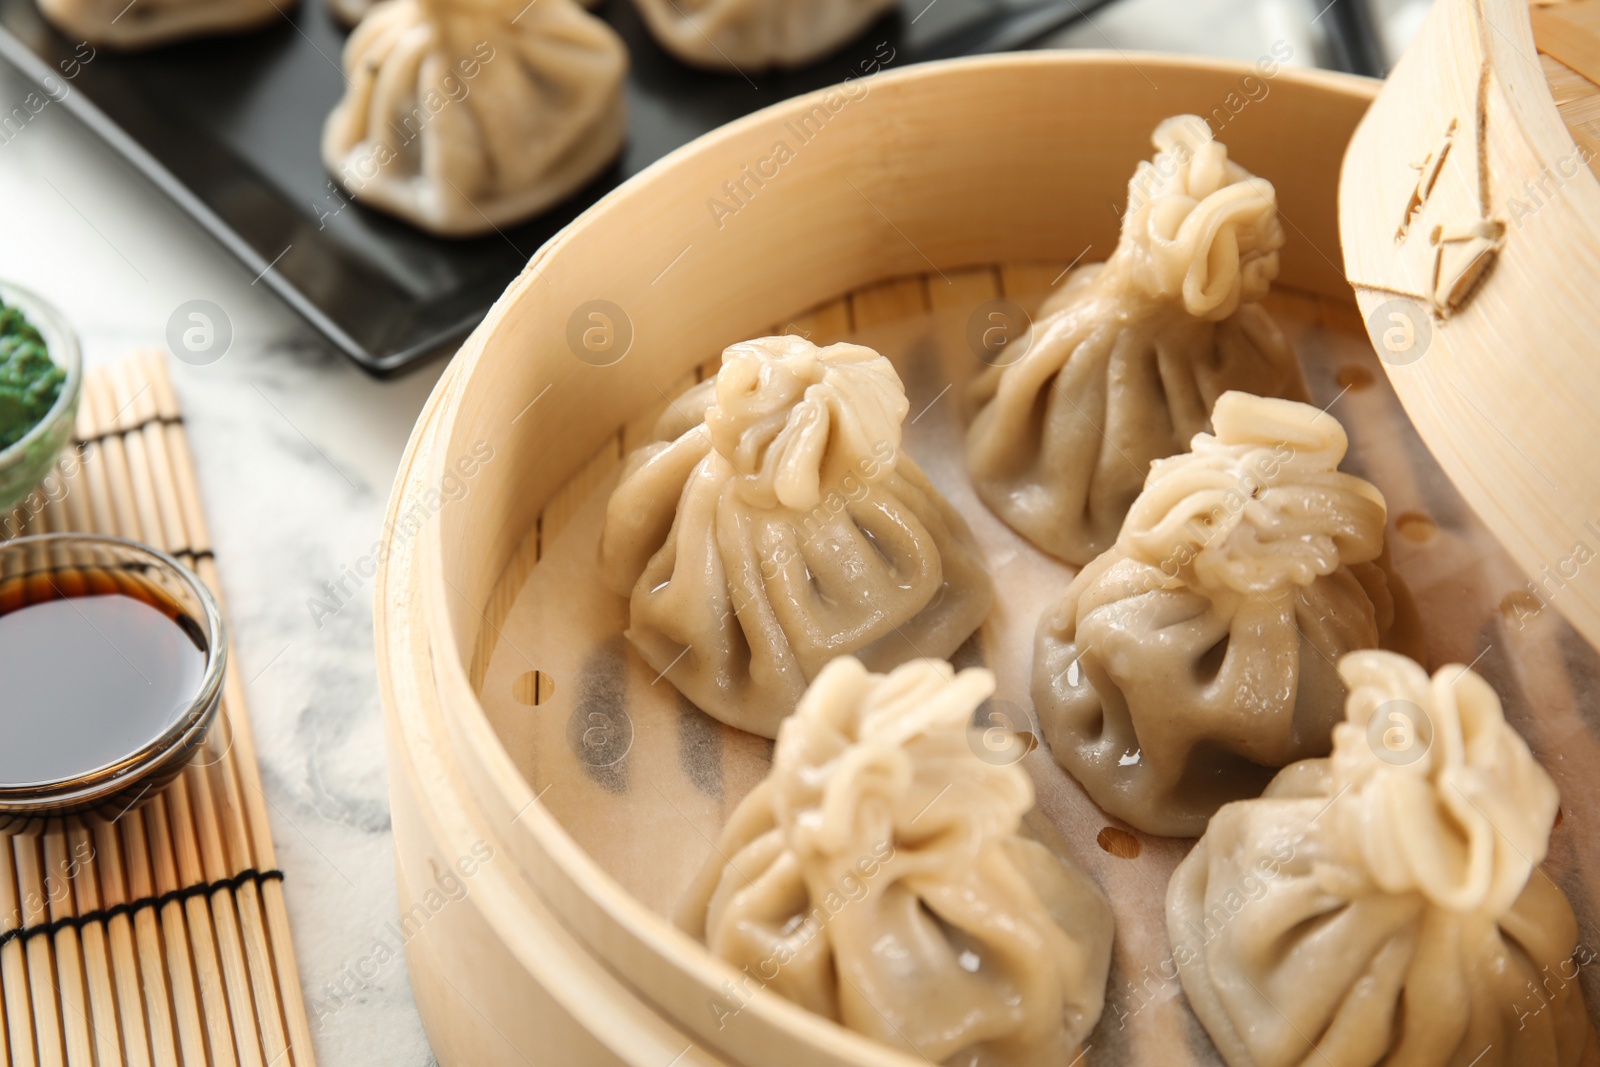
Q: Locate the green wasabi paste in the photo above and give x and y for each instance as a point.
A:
(30, 382)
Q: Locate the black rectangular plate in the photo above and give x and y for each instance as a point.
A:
(231, 127)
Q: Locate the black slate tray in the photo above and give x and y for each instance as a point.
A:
(230, 128)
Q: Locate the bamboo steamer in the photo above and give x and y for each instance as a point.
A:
(1018, 158)
(995, 160)
(1469, 221)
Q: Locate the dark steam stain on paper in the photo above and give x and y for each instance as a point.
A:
(600, 731)
(700, 748)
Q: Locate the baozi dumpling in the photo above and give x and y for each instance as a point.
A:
(1129, 355)
(1196, 656)
(462, 116)
(753, 35)
(1385, 906)
(877, 877)
(774, 523)
(124, 26)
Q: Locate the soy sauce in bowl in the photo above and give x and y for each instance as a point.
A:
(98, 664)
(111, 659)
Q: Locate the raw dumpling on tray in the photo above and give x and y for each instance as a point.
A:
(774, 522)
(1197, 655)
(463, 116)
(124, 26)
(1386, 905)
(877, 876)
(754, 35)
(1127, 358)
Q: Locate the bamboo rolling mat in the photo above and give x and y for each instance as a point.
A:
(160, 938)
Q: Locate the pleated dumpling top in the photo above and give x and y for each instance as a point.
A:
(1128, 356)
(1386, 905)
(878, 877)
(464, 116)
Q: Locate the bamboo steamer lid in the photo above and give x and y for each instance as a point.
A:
(1471, 234)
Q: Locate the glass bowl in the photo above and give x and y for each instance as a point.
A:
(26, 463)
(109, 791)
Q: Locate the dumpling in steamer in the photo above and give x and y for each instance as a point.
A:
(1129, 355)
(124, 26)
(1196, 656)
(461, 116)
(877, 877)
(1385, 905)
(754, 35)
(774, 523)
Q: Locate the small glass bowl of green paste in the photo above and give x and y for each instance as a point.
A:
(41, 378)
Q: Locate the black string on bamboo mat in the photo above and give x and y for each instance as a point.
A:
(120, 431)
(132, 907)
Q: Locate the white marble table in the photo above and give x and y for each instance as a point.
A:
(296, 450)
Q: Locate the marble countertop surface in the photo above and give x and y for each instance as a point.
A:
(296, 450)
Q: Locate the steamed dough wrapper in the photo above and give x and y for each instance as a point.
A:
(774, 523)
(1395, 914)
(876, 877)
(753, 35)
(1127, 358)
(118, 25)
(462, 116)
(1196, 656)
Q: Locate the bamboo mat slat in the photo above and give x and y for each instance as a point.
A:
(161, 938)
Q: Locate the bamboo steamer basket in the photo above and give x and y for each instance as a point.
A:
(1470, 223)
(967, 163)
(972, 158)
